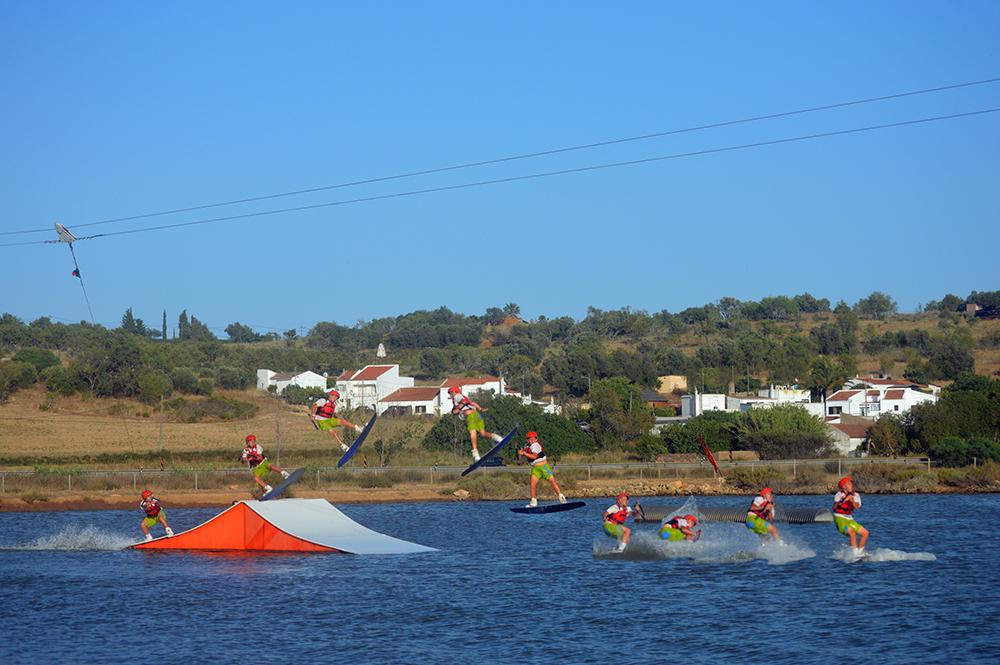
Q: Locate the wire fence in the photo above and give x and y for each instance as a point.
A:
(320, 477)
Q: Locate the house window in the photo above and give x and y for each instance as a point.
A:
(420, 409)
(836, 410)
(895, 407)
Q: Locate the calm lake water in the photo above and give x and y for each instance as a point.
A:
(507, 588)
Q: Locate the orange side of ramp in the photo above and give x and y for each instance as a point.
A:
(237, 528)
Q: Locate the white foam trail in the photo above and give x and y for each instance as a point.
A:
(881, 555)
(780, 552)
(77, 538)
(717, 545)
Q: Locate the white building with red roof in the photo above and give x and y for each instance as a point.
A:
(365, 387)
(472, 384)
(875, 401)
(416, 400)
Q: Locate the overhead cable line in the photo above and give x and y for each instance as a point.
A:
(531, 176)
(530, 155)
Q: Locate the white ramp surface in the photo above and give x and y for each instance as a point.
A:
(319, 522)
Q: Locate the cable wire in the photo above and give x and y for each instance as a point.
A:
(530, 155)
(531, 176)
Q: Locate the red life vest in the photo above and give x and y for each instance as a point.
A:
(763, 511)
(463, 406)
(541, 453)
(674, 523)
(845, 506)
(151, 508)
(619, 517)
(327, 410)
(253, 457)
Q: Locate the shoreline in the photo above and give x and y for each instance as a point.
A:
(67, 501)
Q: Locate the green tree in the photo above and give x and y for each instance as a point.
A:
(241, 333)
(14, 376)
(154, 385)
(433, 363)
(617, 411)
(876, 306)
(38, 357)
(887, 436)
(132, 325)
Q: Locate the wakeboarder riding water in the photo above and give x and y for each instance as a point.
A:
(845, 501)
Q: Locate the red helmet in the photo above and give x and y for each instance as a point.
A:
(767, 490)
(333, 393)
(622, 495)
(453, 390)
(531, 435)
(251, 437)
(146, 494)
(691, 518)
(843, 482)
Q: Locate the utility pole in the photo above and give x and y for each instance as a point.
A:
(277, 429)
(161, 424)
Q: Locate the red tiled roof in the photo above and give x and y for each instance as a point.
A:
(346, 374)
(414, 394)
(873, 393)
(853, 430)
(371, 372)
(468, 381)
(886, 382)
(895, 394)
(842, 395)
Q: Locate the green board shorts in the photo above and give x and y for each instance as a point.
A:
(261, 469)
(151, 521)
(474, 422)
(614, 530)
(845, 523)
(757, 524)
(671, 534)
(541, 471)
(327, 424)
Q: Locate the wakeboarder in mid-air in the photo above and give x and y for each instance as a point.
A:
(253, 455)
(324, 415)
(469, 411)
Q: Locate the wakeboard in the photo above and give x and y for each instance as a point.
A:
(549, 508)
(284, 485)
(491, 453)
(349, 453)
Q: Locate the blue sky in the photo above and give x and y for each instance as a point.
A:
(125, 108)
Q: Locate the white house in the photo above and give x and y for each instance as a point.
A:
(418, 400)
(873, 402)
(699, 403)
(848, 436)
(363, 388)
(472, 384)
(281, 380)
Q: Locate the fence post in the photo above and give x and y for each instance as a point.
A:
(317, 478)
(794, 470)
(588, 472)
(432, 475)
(196, 481)
(928, 463)
(135, 480)
(69, 482)
(3, 483)
(839, 472)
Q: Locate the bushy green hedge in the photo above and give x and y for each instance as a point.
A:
(955, 451)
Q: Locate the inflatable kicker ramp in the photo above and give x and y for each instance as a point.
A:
(288, 525)
(791, 515)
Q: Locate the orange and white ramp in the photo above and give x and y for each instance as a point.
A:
(286, 525)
